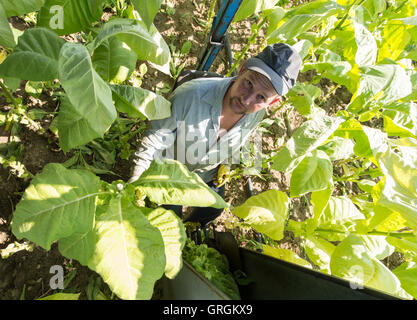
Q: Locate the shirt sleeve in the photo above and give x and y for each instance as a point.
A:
(159, 136)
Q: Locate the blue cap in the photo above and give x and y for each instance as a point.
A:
(280, 63)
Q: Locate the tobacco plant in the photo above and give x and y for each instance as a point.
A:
(104, 226)
(107, 227)
(91, 74)
(366, 47)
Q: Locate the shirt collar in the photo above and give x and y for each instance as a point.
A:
(215, 94)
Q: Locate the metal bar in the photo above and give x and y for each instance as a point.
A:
(225, 19)
(215, 41)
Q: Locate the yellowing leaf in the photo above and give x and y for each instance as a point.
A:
(286, 255)
(266, 212)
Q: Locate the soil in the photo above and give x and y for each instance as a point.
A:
(26, 274)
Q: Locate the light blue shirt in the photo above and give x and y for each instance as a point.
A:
(190, 135)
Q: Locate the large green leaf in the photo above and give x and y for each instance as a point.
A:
(400, 169)
(407, 274)
(89, 110)
(310, 135)
(386, 220)
(147, 9)
(170, 182)
(400, 119)
(137, 102)
(367, 51)
(394, 41)
(249, 7)
(21, 7)
(114, 61)
(148, 45)
(6, 34)
(303, 18)
(339, 210)
(350, 260)
(266, 212)
(338, 148)
(312, 174)
(173, 234)
(319, 251)
(337, 71)
(129, 253)
(35, 57)
(57, 203)
(403, 245)
(377, 246)
(79, 246)
(319, 200)
(286, 255)
(274, 17)
(384, 83)
(353, 129)
(374, 7)
(302, 97)
(384, 280)
(70, 16)
(344, 42)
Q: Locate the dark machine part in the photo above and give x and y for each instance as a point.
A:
(217, 36)
(277, 279)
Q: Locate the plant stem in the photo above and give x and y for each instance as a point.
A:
(374, 233)
(8, 94)
(250, 42)
(339, 25)
(328, 95)
(210, 18)
(401, 5)
(339, 162)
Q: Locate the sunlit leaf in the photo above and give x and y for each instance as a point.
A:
(137, 102)
(286, 255)
(173, 234)
(147, 9)
(385, 83)
(312, 174)
(87, 116)
(6, 34)
(400, 169)
(129, 253)
(57, 203)
(265, 212)
(305, 139)
(69, 16)
(21, 7)
(170, 182)
(249, 7)
(114, 61)
(35, 57)
(350, 260)
(319, 251)
(340, 209)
